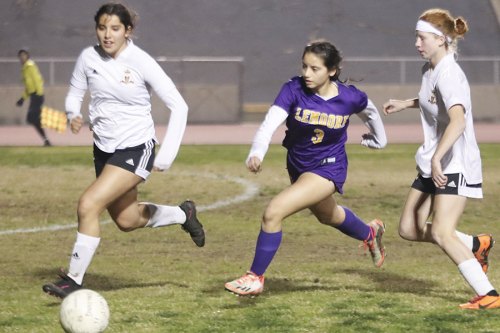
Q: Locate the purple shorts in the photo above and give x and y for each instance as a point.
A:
(334, 172)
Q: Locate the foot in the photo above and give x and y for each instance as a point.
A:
(192, 225)
(46, 143)
(486, 243)
(374, 245)
(482, 302)
(63, 287)
(247, 285)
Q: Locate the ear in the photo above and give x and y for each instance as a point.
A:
(128, 32)
(442, 40)
(332, 72)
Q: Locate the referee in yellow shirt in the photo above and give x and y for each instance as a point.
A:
(33, 88)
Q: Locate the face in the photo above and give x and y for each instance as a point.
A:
(316, 75)
(429, 45)
(23, 57)
(112, 34)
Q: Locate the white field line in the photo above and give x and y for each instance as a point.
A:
(250, 190)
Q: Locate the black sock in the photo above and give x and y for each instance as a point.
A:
(492, 293)
(475, 244)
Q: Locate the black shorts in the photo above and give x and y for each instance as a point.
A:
(35, 109)
(138, 160)
(456, 186)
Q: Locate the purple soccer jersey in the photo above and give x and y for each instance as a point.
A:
(317, 129)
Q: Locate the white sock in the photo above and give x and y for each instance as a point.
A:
(162, 216)
(83, 252)
(474, 275)
(468, 240)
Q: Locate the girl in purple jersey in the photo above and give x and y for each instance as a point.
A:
(316, 107)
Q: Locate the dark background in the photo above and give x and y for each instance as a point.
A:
(268, 34)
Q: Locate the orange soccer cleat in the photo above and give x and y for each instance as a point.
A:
(482, 302)
(249, 284)
(377, 250)
(486, 243)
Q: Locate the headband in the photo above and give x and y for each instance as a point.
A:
(425, 26)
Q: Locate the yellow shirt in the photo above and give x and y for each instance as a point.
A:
(32, 79)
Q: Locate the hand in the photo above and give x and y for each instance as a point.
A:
(157, 169)
(20, 102)
(254, 164)
(438, 177)
(369, 140)
(392, 106)
(76, 124)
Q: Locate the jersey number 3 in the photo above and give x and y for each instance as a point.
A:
(318, 137)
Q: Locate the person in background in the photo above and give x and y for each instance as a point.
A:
(316, 107)
(118, 75)
(449, 161)
(33, 89)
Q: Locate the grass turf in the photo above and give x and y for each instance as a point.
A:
(159, 281)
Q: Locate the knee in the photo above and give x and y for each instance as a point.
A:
(272, 217)
(86, 207)
(124, 226)
(406, 233)
(441, 237)
(409, 229)
(333, 218)
(123, 223)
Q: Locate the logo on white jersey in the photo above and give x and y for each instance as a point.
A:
(130, 162)
(126, 77)
(432, 98)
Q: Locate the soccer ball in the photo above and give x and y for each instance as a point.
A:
(84, 311)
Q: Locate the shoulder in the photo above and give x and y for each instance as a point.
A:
(350, 89)
(91, 50)
(353, 96)
(295, 84)
(451, 72)
(29, 65)
(425, 67)
(139, 54)
(91, 54)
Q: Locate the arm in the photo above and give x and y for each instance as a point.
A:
(274, 118)
(74, 98)
(452, 132)
(371, 118)
(168, 93)
(175, 130)
(28, 79)
(396, 105)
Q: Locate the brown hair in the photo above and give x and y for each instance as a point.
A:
(328, 52)
(126, 16)
(442, 20)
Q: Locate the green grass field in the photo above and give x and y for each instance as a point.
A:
(159, 281)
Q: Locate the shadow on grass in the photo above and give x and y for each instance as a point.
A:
(101, 282)
(379, 281)
(385, 282)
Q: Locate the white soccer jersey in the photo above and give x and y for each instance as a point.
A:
(120, 100)
(443, 87)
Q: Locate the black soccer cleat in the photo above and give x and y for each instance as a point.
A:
(192, 225)
(63, 287)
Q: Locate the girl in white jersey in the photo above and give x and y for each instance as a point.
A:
(118, 75)
(448, 162)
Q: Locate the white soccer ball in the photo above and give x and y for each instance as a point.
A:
(84, 311)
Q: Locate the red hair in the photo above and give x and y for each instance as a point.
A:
(442, 20)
